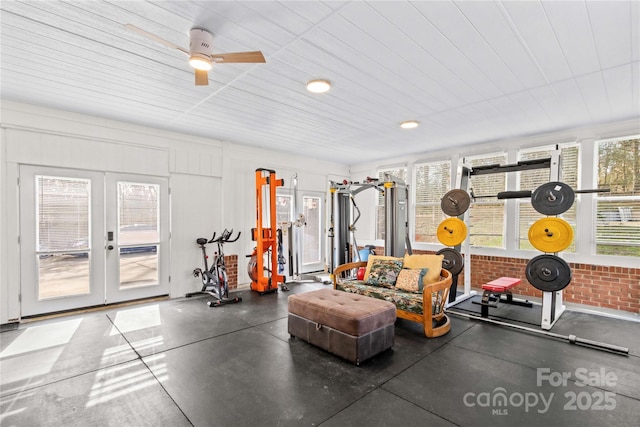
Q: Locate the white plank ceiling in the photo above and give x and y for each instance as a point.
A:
(469, 72)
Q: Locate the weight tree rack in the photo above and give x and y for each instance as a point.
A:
(552, 302)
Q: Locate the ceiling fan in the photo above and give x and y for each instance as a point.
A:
(200, 52)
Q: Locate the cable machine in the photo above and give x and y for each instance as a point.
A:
(265, 276)
(345, 214)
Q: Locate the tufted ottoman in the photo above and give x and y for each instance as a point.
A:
(354, 327)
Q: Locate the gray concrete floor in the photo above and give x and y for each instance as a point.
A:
(179, 362)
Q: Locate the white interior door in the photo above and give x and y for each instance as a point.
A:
(137, 237)
(61, 239)
(89, 238)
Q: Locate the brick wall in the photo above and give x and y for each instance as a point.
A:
(600, 286)
(231, 261)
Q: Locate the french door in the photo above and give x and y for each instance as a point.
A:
(307, 240)
(90, 238)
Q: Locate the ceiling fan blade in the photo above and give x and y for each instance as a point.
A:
(202, 78)
(155, 38)
(238, 57)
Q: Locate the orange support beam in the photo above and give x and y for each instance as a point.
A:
(266, 277)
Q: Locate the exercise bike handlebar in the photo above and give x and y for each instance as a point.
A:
(213, 238)
(228, 240)
(225, 237)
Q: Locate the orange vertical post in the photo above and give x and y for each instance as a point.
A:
(266, 278)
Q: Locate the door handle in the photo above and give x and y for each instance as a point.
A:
(110, 247)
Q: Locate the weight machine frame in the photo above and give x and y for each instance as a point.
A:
(343, 206)
(552, 302)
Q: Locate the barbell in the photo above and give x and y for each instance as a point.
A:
(551, 198)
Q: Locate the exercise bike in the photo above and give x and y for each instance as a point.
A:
(214, 278)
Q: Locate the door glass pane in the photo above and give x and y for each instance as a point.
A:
(312, 243)
(283, 208)
(138, 233)
(138, 220)
(62, 236)
(138, 266)
(61, 275)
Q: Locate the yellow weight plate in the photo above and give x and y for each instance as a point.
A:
(551, 235)
(451, 232)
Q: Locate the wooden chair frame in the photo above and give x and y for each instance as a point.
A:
(427, 318)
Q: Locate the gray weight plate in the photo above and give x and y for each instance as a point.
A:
(453, 260)
(552, 198)
(455, 202)
(548, 273)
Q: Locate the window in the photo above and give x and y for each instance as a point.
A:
(432, 182)
(398, 173)
(618, 212)
(486, 215)
(532, 179)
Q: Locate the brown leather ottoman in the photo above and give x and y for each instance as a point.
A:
(354, 327)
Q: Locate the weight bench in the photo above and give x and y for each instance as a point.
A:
(493, 292)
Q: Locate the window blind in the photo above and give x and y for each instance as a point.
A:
(618, 212)
(486, 215)
(532, 179)
(432, 182)
(62, 206)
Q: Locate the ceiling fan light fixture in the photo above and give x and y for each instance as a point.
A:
(200, 63)
(318, 86)
(409, 124)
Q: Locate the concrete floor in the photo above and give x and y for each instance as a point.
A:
(179, 362)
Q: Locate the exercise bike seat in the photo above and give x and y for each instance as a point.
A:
(202, 241)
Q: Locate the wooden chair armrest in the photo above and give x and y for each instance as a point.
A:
(441, 288)
(443, 283)
(343, 270)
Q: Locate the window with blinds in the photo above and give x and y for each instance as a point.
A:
(486, 215)
(398, 173)
(532, 179)
(618, 212)
(432, 182)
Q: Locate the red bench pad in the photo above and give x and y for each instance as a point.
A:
(502, 284)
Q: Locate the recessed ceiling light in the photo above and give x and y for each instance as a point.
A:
(318, 86)
(409, 124)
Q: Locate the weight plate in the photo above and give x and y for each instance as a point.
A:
(548, 273)
(551, 234)
(453, 261)
(451, 232)
(455, 202)
(552, 198)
